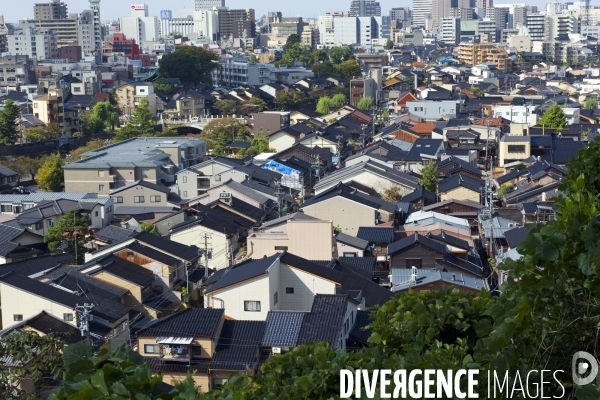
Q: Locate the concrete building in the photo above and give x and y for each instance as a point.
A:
(450, 30)
(536, 24)
(439, 9)
(66, 29)
(49, 108)
(26, 40)
(273, 16)
(140, 26)
(521, 43)
(228, 22)
(433, 110)
(154, 160)
(16, 71)
(286, 27)
(420, 9)
(462, 13)
(239, 71)
(560, 25)
(129, 96)
(49, 11)
(201, 5)
(400, 14)
(364, 8)
(478, 53)
(361, 30)
(499, 15)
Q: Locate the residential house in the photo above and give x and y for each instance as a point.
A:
(459, 187)
(239, 191)
(452, 165)
(298, 233)
(8, 177)
(379, 238)
(456, 208)
(13, 204)
(111, 234)
(130, 93)
(191, 103)
(283, 139)
(350, 246)
(340, 201)
(19, 243)
(140, 193)
(428, 222)
(432, 110)
(404, 279)
(295, 173)
(321, 159)
(268, 122)
(422, 153)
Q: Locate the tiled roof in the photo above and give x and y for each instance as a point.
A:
(450, 240)
(240, 206)
(408, 241)
(247, 191)
(516, 236)
(401, 279)
(374, 234)
(283, 328)
(391, 174)
(112, 234)
(238, 345)
(347, 192)
(362, 320)
(511, 175)
(145, 184)
(152, 253)
(352, 241)
(424, 127)
(36, 265)
(460, 181)
(353, 282)
(194, 322)
(5, 171)
(46, 324)
(325, 321)
(242, 272)
(310, 267)
(361, 265)
(123, 269)
(189, 253)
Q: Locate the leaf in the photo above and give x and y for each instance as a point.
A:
(75, 352)
(547, 251)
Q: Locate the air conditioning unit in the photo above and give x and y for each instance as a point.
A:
(276, 350)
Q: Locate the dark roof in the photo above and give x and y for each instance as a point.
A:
(237, 348)
(113, 234)
(345, 191)
(46, 324)
(376, 234)
(352, 241)
(516, 236)
(241, 207)
(408, 241)
(5, 171)
(123, 269)
(149, 185)
(424, 146)
(9, 234)
(362, 320)
(238, 144)
(242, 272)
(511, 175)
(360, 265)
(463, 264)
(195, 322)
(419, 193)
(450, 240)
(457, 165)
(189, 253)
(36, 265)
(310, 267)
(153, 253)
(325, 321)
(459, 180)
(283, 328)
(356, 285)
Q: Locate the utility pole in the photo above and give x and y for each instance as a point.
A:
(362, 136)
(84, 318)
(75, 235)
(205, 236)
(317, 166)
(339, 148)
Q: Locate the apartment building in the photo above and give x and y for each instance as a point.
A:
(16, 70)
(130, 94)
(228, 19)
(236, 71)
(140, 26)
(48, 11)
(154, 160)
(365, 8)
(450, 30)
(478, 53)
(66, 29)
(27, 40)
(50, 107)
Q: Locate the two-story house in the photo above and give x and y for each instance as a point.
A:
(130, 94)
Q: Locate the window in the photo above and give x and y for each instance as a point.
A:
(68, 317)
(138, 199)
(185, 179)
(38, 226)
(418, 108)
(109, 209)
(196, 351)
(152, 349)
(130, 254)
(252, 306)
(145, 173)
(275, 298)
(350, 254)
(172, 275)
(96, 213)
(516, 148)
(35, 105)
(119, 199)
(17, 317)
(217, 383)
(281, 248)
(184, 194)
(50, 223)
(101, 188)
(289, 290)
(7, 208)
(413, 262)
(154, 199)
(218, 178)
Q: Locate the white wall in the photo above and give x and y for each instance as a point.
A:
(217, 241)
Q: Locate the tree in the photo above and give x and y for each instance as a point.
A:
(429, 178)
(389, 44)
(338, 100)
(505, 189)
(91, 145)
(323, 70)
(349, 70)
(225, 107)
(38, 359)
(220, 145)
(260, 144)
(323, 105)
(292, 40)
(366, 103)
(554, 117)
(142, 122)
(41, 133)
(240, 136)
(392, 194)
(260, 103)
(337, 55)
(72, 229)
(591, 104)
(104, 117)
(289, 100)
(161, 85)
(253, 58)
(112, 97)
(149, 228)
(190, 64)
(477, 92)
(8, 119)
(50, 174)
(229, 127)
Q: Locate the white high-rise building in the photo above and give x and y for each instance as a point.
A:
(420, 9)
(202, 5)
(140, 26)
(361, 30)
(450, 30)
(28, 41)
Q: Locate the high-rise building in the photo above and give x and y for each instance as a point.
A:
(400, 14)
(420, 9)
(229, 22)
(450, 30)
(53, 10)
(560, 25)
(484, 3)
(518, 18)
(274, 16)
(365, 8)
(140, 26)
(209, 4)
(462, 13)
(98, 34)
(27, 41)
(439, 9)
(536, 24)
(499, 15)
(361, 30)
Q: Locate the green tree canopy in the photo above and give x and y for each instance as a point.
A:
(477, 91)
(190, 64)
(161, 85)
(323, 70)
(389, 44)
(225, 107)
(429, 178)
(366, 103)
(554, 117)
(24, 165)
(73, 229)
(338, 100)
(289, 100)
(337, 55)
(149, 228)
(323, 105)
(229, 127)
(505, 189)
(41, 133)
(142, 123)
(349, 70)
(220, 145)
(260, 103)
(8, 119)
(260, 144)
(591, 104)
(50, 175)
(89, 146)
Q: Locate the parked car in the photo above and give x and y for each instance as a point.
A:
(175, 118)
(194, 119)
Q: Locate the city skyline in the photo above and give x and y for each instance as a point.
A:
(113, 9)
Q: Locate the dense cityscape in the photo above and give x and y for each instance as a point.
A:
(241, 206)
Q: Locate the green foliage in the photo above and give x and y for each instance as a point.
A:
(505, 189)
(253, 58)
(554, 117)
(260, 103)
(161, 85)
(519, 167)
(337, 55)
(348, 69)
(149, 228)
(72, 229)
(323, 105)
(591, 104)
(229, 127)
(91, 145)
(38, 359)
(366, 103)
(42, 133)
(477, 91)
(122, 375)
(429, 178)
(24, 165)
(289, 101)
(389, 44)
(225, 107)
(585, 133)
(260, 144)
(103, 117)
(142, 123)
(323, 70)
(190, 64)
(220, 145)
(8, 126)
(50, 174)
(338, 100)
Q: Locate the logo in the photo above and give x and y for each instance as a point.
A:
(579, 368)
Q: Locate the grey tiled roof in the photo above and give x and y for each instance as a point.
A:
(401, 279)
(36, 265)
(325, 321)
(145, 184)
(408, 241)
(283, 328)
(111, 234)
(247, 191)
(352, 241)
(237, 349)
(459, 180)
(516, 236)
(241, 272)
(5, 171)
(376, 234)
(195, 322)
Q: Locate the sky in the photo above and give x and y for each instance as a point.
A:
(112, 9)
